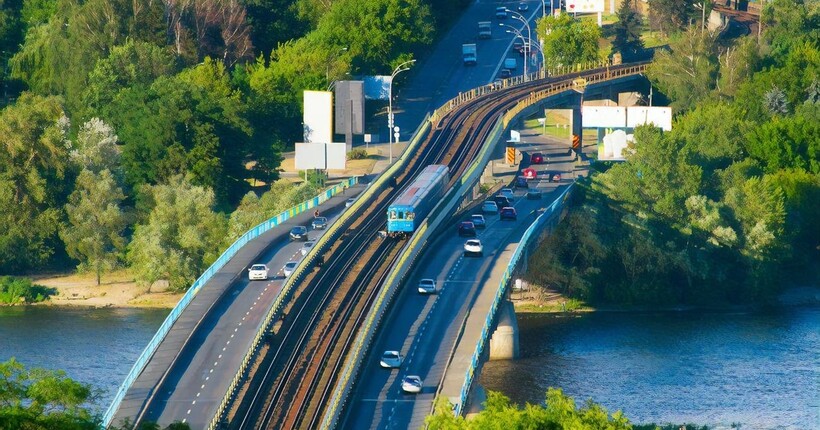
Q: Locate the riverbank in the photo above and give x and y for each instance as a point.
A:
(549, 301)
(118, 290)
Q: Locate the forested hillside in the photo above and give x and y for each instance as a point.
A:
(725, 208)
(133, 131)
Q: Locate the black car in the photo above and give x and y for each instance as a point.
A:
(466, 229)
(520, 182)
(505, 73)
(537, 158)
(508, 213)
(502, 201)
(299, 233)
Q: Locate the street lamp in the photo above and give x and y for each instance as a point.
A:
(523, 39)
(403, 67)
(526, 22)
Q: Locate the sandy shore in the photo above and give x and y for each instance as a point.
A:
(118, 289)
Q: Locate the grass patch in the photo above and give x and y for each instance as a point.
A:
(20, 291)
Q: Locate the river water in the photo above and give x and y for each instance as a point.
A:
(94, 346)
(761, 370)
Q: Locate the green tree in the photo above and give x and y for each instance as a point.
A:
(569, 41)
(628, 32)
(181, 235)
(96, 148)
(789, 23)
(40, 399)
(669, 16)
(688, 71)
(252, 210)
(94, 234)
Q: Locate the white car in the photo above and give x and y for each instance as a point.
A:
(489, 207)
(411, 384)
(290, 266)
(427, 286)
(349, 202)
(390, 360)
(508, 193)
(473, 247)
(258, 272)
(307, 247)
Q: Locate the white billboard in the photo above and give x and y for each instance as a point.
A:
(603, 116)
(321, 156)
(318, 117)
(613, 147)
(660, 116)
(584, 6)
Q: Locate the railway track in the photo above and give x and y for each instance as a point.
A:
(293, 377)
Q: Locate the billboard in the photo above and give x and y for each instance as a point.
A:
(317, 121)
(613, 146)
(320, 156)
(349, 107)
(603, 116)
(377, 87)
(661, 116)
(584, 6)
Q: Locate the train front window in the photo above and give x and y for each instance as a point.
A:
(401, 215)
(392, 214)
(410, 215)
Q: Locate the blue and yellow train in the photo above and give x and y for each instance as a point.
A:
(415, 202)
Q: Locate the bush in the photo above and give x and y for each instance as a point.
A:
(22, 290)
(357, 154)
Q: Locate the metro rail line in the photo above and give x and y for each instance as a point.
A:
(294, 374)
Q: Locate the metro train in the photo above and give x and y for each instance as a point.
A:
(415, 202)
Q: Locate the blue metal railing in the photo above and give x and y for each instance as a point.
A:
(530, 235)
(229, 253)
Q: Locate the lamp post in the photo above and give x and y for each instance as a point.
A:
(526, 22)
(525, 40)
(403, 67)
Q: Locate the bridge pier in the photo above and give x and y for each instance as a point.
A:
(504, 342)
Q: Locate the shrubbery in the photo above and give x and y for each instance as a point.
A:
(22, 291)
(357, 154)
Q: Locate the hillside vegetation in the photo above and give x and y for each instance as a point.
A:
(723, 209)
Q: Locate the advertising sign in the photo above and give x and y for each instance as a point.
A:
(603, 116)
(585, 6)
(321, 156)
(349, 107)
(318, 117)
(660, 116)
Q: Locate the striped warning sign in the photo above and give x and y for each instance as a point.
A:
(576, 141)
(510, 155)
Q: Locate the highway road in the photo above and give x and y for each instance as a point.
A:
(203, 371)
(424, 328)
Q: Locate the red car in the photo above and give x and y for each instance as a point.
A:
(466, 228)
(508, 213)
(537, 158)
(529, 173)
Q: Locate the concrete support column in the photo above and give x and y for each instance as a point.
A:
(504, 342)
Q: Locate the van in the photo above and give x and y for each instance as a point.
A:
(510, 63)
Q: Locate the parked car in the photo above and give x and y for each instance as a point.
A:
(390, 360)
(289, 267)
(258, 272)
(523, 7)
(537, 158)
(534, 194)
(509, 213)
(489, 207)
(473, 247)
(529, 174)
(299, 233)
(508, 193)
(505, 73)
(319, 223)
(307, 247)
(520, 182)
(478, 220)
(411, 384)
(501, 12)
(427, 286)
(466, 229)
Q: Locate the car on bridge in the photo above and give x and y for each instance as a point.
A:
(319, 223)
(478, 220)
(508, 193)
(349, 202)
(489, 207)
(290, 266)
(501, 12)
(427, 286)
(537, 158)
(411, 384)
(473, 247)
(299, 233)
(390, 360)
(520, 182)
(529, 174)
(533, 194)
(523, 7)
(509, 213)
(258, 272)
(466, 229)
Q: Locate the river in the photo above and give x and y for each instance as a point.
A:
(761, 370)
(94, 346)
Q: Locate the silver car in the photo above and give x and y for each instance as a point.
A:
(307, 247)
(489, 207)
(390, 360)
(427, 286)
(411, 384)
(290, 266)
